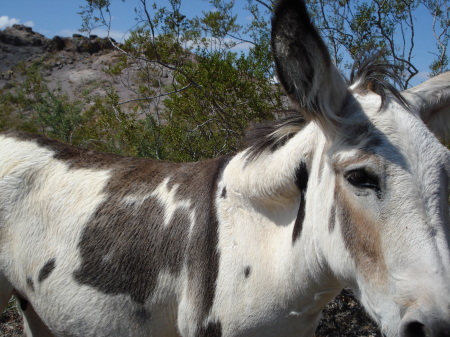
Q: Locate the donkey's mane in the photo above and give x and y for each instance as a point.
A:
(272, 135)
(368, 75)
(376, 76)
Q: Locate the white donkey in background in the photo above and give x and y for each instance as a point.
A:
(256, 244)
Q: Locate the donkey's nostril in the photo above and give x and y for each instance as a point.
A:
(434, 328)
(415, 329)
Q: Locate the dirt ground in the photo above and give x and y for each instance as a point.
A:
(11, 322)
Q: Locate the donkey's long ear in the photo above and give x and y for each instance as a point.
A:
(431, 101)
(303, 64)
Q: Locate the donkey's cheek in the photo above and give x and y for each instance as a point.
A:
(362, 239)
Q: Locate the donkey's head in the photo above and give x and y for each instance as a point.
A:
(380, 174)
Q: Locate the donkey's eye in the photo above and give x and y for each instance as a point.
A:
(362, 179)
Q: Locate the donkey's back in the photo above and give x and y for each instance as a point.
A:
(107, 237)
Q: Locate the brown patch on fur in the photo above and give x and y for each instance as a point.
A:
(298, 225)
(332, 221)
(30, 283)
(301, 181)
(361, 236)
(46, 270)
(224, 193)
(125, 246)
(321, 167)
(247, 271)
(200, 184)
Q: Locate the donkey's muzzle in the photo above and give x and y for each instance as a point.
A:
(423, 327)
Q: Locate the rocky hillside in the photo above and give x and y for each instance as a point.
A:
(75, 64)
(21, 44)
(70, 64)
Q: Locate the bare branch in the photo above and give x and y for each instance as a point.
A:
(157, 96)
(442, 38)
(241, 39)
(269, 7)
(406, 62)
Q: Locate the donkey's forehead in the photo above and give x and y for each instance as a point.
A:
(366, 127)
(392, 133)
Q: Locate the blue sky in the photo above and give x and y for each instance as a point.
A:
(59, 17)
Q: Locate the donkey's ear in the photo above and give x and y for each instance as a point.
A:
(303, 64)
(431, 102)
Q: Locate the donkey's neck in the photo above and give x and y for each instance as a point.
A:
(258, 203)
(265, 278)
(270, 178)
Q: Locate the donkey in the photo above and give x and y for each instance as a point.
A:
(351, 191)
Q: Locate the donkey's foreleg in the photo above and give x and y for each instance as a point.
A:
(6, 290)
(33, 326)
